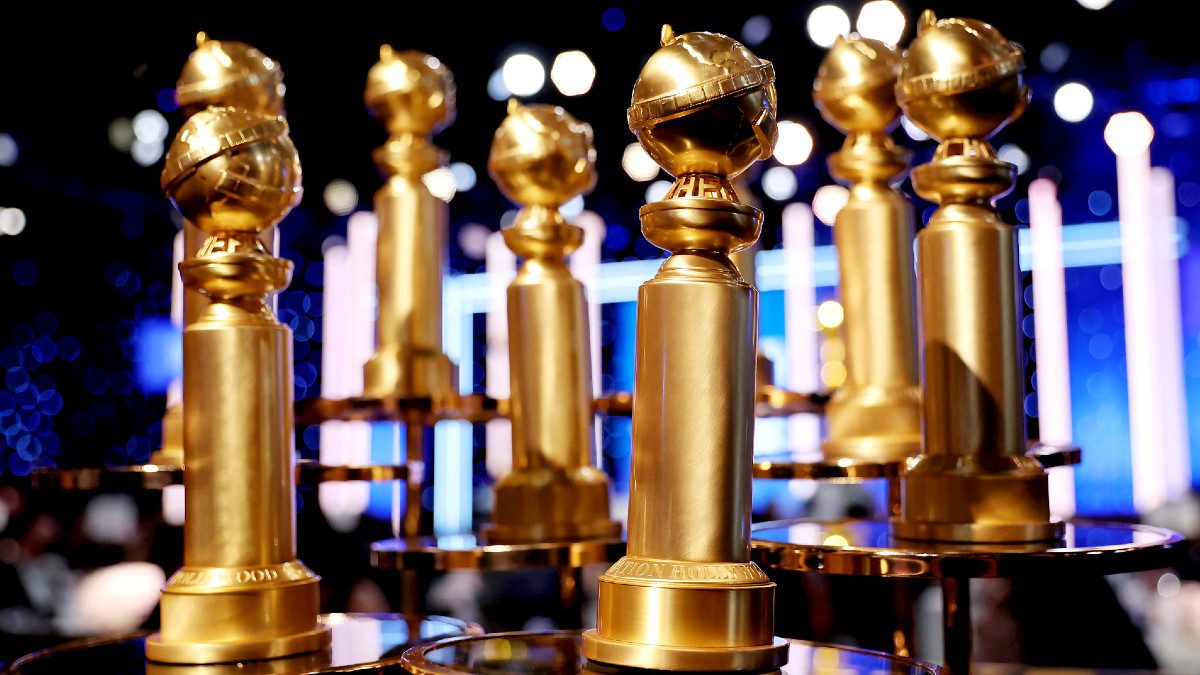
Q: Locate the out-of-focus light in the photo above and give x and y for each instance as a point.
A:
(914, 132)
(1168, 585)
(150, 126)
(464, 176)
(795, 143)
(1073, 102)
(638, 164)
(572, 208)
(1013, 154)
(573, 73)
(828, 200)
(825, 23)
(1094, 4)
(1128, 133)
(9, 151)
(496, 88)
(146, 153)
(1099, 202)
(472, 239)
(120, 133)
(12, 221)
(779, 183)
(441, 183)
(111, 519)
(881, 20)
(1054, 56)
(524, 75)
(613, 18)
(166, 100)
(117, 598)
(836, 540)
(833, 373)
(830, 313)
(657, 190)
(756, 29)
(341, 197)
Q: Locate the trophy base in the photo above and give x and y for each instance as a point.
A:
(551, 504)
(762, 658)
(226, 652)
(872, 449)
(392, 373)
(991, 533)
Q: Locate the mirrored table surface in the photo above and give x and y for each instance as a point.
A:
(561, 653)
(472, 551)
(361, 643)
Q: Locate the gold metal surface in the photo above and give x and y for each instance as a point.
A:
(686, 593)
(875, 416)
(960, 81)
(541, 157)
(412, 95)
(241, 593)
(229, 73)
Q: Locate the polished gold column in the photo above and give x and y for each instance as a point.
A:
(875, 415)
(541, 157)
(412, 94)
(241, 593)
(961, 81)
(687, 597)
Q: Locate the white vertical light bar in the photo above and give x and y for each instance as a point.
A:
(501, 266)
(452, 438)
(1169, 331)
(172, 496)
(1129, 135)
(800, 300)
(585, 266)
(1050, 336)
(335, 371)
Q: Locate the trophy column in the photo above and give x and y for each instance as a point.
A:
(241, 593)
(974, 482)
(540, 158)
(876, 415)
(687, 597)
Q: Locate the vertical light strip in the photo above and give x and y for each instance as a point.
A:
(362, 232)
(501, 266)
(585, 265)
(1050, 336)
(172, 495)
(1169, 331)
(452, 438)
(800, 300)
(335, 371)
(1129, 135)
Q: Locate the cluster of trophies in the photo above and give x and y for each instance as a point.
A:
(686, 594)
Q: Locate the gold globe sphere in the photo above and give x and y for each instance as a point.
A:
(542, 156)
(232, 170)
(704, 104)
(854, 88)
(229, 73)
(410, 92)
(961, 79)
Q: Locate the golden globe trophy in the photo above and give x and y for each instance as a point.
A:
(241, 593)
(960, 82)
(875, 416)
(687, 597)
(540, 158)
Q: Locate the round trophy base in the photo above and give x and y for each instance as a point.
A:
(225, 652)
(759, 658)
(990, 533)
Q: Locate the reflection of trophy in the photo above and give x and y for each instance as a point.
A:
(687, 597)
(541, 157)
(960, 82)
(876, 414)
(241, 593)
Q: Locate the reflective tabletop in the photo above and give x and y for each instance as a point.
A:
(159, 476)
(362, 643)
(867, 548)
(560, 653)
(471, 551)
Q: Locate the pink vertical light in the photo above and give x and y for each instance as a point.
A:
(1050, 330)
(1169, 331)
(1129, 136)
(172, 496)
(585, 265)
(800, 300)
(501, 266)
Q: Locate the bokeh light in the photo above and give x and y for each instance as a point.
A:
(828, 201)
(9, 150)
(795, 143)
(1073, 102)
(756, 30)
(1013, 154)
(657, 190)
(638, 164)
(464, 176)
(779, 183)
(496, 88)
(1094, 4)
(613, 18)
(472, 239)
(441, 183)
(881, 20)
(12, 221)
(914, 132)
(825, 23)
(573, 73)
(830, 313)
(1054, 56)
(1128, 133)
(341, 197)
(523, 74)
